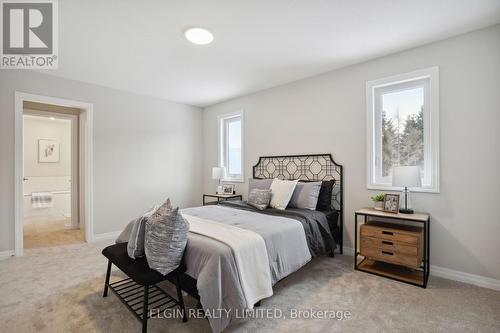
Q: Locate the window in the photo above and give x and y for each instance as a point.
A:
(231, 145)
(403, 128)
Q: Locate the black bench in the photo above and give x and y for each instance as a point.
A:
(139, 292)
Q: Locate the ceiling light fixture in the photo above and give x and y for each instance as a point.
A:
(199, 36)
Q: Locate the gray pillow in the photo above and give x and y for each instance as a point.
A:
(259, 198)
(165, 241)
(305, 195)
(135, 246)
(259, 184)
(125, 234)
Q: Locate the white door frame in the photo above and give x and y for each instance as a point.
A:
(86, 180)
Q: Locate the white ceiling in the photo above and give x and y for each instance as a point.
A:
(138, 46)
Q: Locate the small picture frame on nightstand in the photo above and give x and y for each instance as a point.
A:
(228, 189)
(391, 203)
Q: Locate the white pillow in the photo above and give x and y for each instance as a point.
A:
(282, 191)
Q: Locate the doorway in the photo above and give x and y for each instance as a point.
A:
(50, 178)
(53, 192)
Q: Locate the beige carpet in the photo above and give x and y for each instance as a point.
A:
(41, 232)
(59, 290)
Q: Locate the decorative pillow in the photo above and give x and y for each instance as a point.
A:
(125, 234)
(165, 241)
(135, 246)
(259, 198)
(325, 195)
(305, 195)
(259, 184)
(282, 191)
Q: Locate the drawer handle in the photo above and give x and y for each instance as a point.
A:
(388, 243)
(389, 253)
(387, 233)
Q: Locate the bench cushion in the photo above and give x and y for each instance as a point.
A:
(137, 269)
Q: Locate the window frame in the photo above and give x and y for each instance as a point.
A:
(222, 121)
(429, 78)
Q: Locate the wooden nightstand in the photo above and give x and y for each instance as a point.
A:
(220, 197)
(395, 246)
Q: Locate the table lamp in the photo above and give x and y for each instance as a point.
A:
(218, 173)
(406, 176)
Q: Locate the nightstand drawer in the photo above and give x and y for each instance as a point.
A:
(400, 248)
(391, 257)
(393, 234)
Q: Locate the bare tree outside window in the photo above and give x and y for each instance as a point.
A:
(402, 129)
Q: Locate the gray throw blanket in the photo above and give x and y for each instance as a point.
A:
(318, 234)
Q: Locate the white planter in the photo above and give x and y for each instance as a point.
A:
(378, 205)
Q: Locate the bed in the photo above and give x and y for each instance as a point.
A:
(291, 237)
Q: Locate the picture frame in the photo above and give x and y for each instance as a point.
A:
(228, 189)
(391, 203)
(48, 151)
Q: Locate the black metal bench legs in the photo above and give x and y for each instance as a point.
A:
(145, 310)
(108, 273)
(179, 297)
(130, 292)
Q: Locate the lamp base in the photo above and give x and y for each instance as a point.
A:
(406, 211)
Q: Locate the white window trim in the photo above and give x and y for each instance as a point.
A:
(431, 126)
(221, 157)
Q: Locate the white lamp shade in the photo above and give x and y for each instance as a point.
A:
(217, 173)
(406, 176)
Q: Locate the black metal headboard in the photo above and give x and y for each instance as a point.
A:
(315, 167)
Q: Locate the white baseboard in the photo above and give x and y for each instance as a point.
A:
(6, 254)
(348, 251)
(450, 274)
(105, 236)
(477, 280)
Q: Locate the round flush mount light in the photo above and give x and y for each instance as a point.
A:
(199, 36)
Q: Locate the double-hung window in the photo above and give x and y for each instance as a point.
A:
(403, 128)
(231, 145)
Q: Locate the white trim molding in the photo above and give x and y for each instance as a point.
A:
(477, 280)
(349, 251)
(428, 79)
(6, 254)
(105, 236)
(86, 174)
(450, 274)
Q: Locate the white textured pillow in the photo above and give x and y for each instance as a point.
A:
(282, 191)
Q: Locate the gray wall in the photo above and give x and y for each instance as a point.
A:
(327, 114)
(145, 149)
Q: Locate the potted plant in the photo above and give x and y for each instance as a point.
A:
(378, 201)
